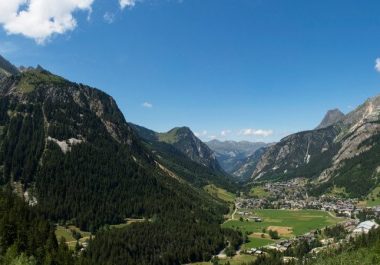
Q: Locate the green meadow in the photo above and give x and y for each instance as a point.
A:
(220, 193)
(288, 223)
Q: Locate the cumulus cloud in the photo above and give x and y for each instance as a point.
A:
(377, 64)
(147, 105)
(201, 134)
(40, 19)
(127, 3)
(256, 132)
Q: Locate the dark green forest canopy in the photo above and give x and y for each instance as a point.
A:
(102, 177)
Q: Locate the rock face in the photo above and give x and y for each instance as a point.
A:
(181, 152)
(6, 68)
(331, 117)
(244, 169)
(343, 153)
(297, 154)
(231, 155)
(184, 140)
(69, 146)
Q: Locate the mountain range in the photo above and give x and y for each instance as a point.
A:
(342, 152)
(68, 151)
(71, 157)
(234, 156)
(181, 152)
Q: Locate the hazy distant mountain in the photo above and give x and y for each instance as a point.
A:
(345, 154)
(331, 117)
(232, 154)
(245, 168)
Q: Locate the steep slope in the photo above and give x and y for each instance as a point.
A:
(231, 154)
(332, 116)
(185, 155)
(67, 149)
(244, 169)
(344, 154)
(184, 140)
(69, 146)
(6, 68)
(303, 154)
(26, 237)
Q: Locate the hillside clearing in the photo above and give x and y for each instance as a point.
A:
(288, 223)
(220, 193)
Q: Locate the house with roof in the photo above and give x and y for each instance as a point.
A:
(364, 227)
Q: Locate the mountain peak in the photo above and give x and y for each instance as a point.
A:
(332, 116)
(6, 68)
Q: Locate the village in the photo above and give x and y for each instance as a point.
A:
(292, 195)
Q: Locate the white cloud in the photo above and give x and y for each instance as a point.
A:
(377, 64)
(147, 105)
(40, 19)
(127, 3)
(109, 17)
(201, 134)
(225, 133)
(256, 132)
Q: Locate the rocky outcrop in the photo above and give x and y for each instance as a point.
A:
(331, 117)
(325, 153)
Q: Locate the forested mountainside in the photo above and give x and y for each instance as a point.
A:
(184, 140)
(231, 155)
(26, 237)
(187, 157)
(67, 149)
(345, 154)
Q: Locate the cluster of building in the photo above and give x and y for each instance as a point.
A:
(352, 227)
(293, 195)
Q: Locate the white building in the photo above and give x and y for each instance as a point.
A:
(364, 227)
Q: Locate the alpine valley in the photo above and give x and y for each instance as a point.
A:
(81, 185)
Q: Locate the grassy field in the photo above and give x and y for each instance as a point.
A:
(339, 192)
(128, 221)
(256, 242)
(288, 223)
(67, 235)
(258, 192)
(220, 193)
(235, 260)
(373, 200)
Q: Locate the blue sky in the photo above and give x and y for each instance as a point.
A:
(231, 69)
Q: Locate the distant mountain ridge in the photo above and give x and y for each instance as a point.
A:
(232, 154)
(345, 154)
